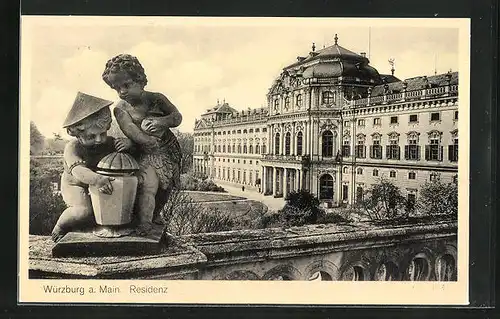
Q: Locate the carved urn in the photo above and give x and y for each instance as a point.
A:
(116, 208)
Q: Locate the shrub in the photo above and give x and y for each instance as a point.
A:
(438, 198)
(45, 206)
(191, 183)
(184, 216)
(384, 201)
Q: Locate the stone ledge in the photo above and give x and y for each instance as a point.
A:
(172, 259)
(276, 243)
(186, 257)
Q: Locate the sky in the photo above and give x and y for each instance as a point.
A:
(195, 62)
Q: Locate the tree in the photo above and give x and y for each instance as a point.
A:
(300, 208)
(186, 141)
(384, 200)
(36, 139)
(437, 198)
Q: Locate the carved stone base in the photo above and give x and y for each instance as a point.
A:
(82, 244)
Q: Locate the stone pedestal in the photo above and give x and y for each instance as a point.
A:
(81, 244)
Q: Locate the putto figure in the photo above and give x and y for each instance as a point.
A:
(146, 118)
(88, 120)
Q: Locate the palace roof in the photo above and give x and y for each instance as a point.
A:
(417, 83)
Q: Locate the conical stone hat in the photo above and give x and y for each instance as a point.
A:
(83, 106)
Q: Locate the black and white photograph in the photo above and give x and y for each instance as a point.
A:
(170, 159)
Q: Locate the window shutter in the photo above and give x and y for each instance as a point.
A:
(388, 152)
(440, 158)
(418, 152)
(427, 152)
(451, 158)
(364, 151)
(407, 151)
(399, 152)
(371, 151)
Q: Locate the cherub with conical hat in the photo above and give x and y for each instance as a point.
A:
(88, 120)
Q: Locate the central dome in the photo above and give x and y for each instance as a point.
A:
(334, 62)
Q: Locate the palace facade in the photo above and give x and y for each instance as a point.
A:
(334, 126)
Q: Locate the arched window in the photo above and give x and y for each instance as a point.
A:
(298, 100)
(392, 150)
(327, 143)
(434, 150)
(223, 148)
(359, 171)
(239, 148)
(287, 102)
(277, 144)
(257, 149)
(375, 172)
(360, 146)
(326, 187)
(287, 143)
(376, 148)
(328, 97)
(276, 104)
(263, 150)
(234, 148)
(218, 148)
(299, 143)
(250, 149)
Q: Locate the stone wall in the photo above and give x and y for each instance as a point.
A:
(361, 251)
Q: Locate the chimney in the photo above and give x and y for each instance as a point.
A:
(363, 54)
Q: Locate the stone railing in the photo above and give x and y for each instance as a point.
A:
(407, 96)
(358, 251)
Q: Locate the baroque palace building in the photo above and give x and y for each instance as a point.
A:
(334, 126)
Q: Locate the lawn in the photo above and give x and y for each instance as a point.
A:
(204, 197)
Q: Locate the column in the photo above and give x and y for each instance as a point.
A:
(270, 144)
(274, 181)
(285, 182)
(263, 181)
(338, 180)
(282, 137)
(299, 187)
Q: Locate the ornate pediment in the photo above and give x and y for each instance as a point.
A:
(327, 125)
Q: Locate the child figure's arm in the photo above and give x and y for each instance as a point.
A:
(77, 168)
(131, 130)
(173, 117)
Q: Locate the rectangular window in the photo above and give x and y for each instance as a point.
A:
(413, 118)
(376, 151)
(264, 129)
(377, 121)
(345, 192)
(257, 130)
(453, 153)
(392, 152)
(359, 194)
(375, 172)
(392, 174)
(346, 123)
(394, 120)
(455, 116)
(250, 161)
(346, 150)
(434, 152)
(412, 175)
(361, 123)
(435, 116)
(412, 152)
(360, 151)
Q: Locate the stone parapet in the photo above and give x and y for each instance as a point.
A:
(338, 251)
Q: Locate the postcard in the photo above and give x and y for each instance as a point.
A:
(204, 160)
